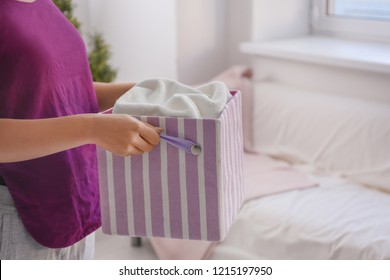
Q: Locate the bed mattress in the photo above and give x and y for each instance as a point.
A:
(337, 220)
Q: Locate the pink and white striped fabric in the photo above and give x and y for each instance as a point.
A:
(173, 194)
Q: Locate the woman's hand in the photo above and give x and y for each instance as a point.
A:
(121, 134)
(124, 135)
(108, 93)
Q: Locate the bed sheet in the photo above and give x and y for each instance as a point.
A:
(337, 220)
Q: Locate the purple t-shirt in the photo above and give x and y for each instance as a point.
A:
(44, 73)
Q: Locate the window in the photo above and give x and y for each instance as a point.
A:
(360, 9)
(362, 19)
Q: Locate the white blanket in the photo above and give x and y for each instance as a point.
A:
(160, 97)
(337, 220)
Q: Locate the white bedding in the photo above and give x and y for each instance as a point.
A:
(337, 220)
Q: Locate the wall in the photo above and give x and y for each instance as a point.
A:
(326, 79)
(142, 35)
(191, 40)
(202, 39)
(239, 25)
(210, 31)
(280, 19)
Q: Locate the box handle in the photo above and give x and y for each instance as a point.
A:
(186, 145)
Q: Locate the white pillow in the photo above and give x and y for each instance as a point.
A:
(336, 135)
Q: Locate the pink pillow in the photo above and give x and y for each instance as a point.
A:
(239, 78)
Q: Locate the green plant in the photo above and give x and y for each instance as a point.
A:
(66, 6)
(99, 53)
(98, 60)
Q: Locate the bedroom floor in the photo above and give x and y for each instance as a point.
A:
(119, 248)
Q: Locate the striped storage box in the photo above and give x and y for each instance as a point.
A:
(174, 194)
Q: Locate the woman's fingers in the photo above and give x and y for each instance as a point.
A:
(134, 151)
(143, 145)
(150, 133)
(155, 128)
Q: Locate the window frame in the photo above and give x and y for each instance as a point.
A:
(348, 27)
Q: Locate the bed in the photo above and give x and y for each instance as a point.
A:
(337, 220)
(340, 144)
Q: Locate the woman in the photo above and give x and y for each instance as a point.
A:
(49, 197)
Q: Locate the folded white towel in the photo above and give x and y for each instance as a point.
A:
(160, 97)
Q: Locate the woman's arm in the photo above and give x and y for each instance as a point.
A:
(120, 134)
(108, 93)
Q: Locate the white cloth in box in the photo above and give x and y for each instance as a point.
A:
(161, 97)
